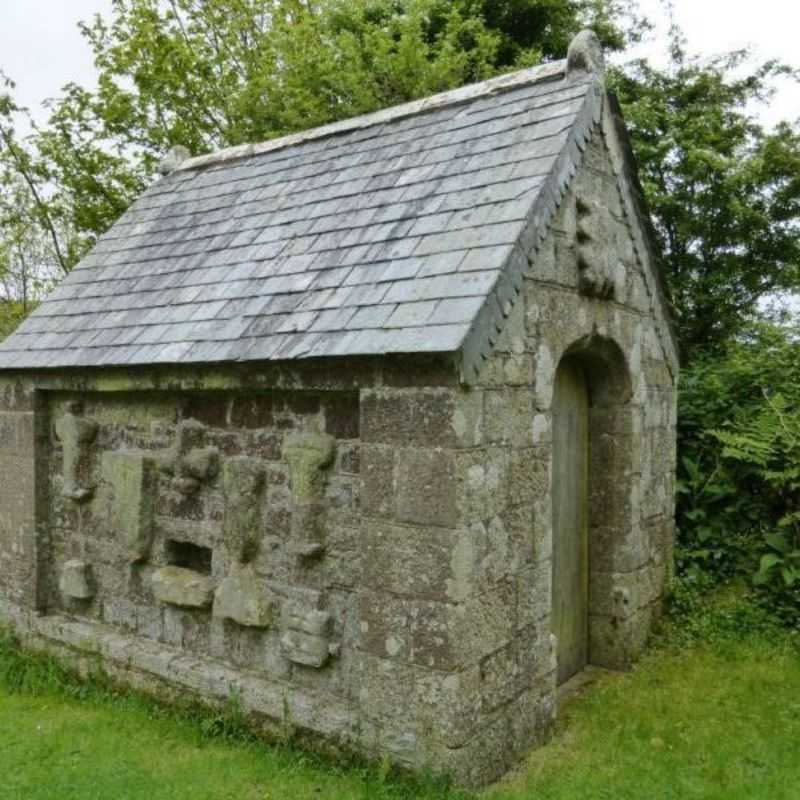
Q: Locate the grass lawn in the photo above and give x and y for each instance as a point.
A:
(711, 717)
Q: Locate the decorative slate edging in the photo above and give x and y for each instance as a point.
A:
(490, 321)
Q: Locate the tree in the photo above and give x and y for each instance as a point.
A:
(724, 192)
(35, 245)
(213, 73)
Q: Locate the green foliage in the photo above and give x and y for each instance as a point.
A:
(11, 314)
(218, 73)
(702, 611)
(724, 192)
(739, 476)
(35, 217)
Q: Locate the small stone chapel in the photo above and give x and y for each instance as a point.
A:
(372, 426)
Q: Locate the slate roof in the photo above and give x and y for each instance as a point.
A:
(404, 231)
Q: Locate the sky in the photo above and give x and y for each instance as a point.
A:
(41, 48)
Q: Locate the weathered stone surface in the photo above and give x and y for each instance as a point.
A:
(200, 464)
(377, 480)
(182, 587)
(409, 560)
(77, 435)
(427, 417)
(243, 487)
(76, 580)
(596, 273)
(241, 597)
(134, 480)
(306, 635)
(342, 418)
(307, 454)
(425, 487)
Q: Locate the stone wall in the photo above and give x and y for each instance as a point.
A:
(202, 520)
(19, 437)
(589, 296)
(360, 549)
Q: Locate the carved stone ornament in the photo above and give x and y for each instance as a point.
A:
(133, 477)
(76, 580)
(595, 276)
(243, 487)
(241, 598)
(189, 462)
(77, 435)
(308, 455)
(178, 586)
(306, 635)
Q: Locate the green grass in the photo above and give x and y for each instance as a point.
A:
(712, 712)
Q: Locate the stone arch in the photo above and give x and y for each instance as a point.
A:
(612, 526)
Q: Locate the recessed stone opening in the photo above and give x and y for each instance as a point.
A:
(593, 522)
(189, 556)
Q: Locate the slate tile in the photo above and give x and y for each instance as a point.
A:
(371, 316)
(468, 238)
(402, 224)
(441, 263)
(457, 310)
(401, 269)
(408, 315)
(334, 319)
(482, 258)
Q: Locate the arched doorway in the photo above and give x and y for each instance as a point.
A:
(590, 409)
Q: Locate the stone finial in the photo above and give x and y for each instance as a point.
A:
(173, 159)
(585, 54)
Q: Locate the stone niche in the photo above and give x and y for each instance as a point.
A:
(204, 521)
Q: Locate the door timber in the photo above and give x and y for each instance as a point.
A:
(570, 519)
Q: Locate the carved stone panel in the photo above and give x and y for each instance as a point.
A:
(306, 635)
(190, 462)
(308, 455)
(243, 488)
(77, 435)
(134, 478)
(241, 598)
(76, 580)
(178, 586)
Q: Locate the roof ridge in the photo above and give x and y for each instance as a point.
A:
(178, 162)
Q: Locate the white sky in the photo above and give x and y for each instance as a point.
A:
(41, 48)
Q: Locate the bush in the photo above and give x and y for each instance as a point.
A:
(739, 470)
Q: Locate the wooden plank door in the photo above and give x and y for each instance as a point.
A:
(570, 519)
